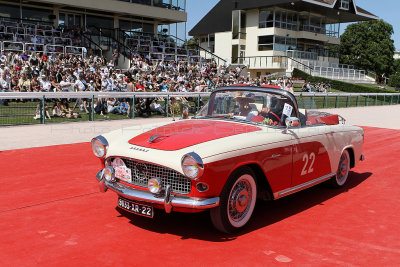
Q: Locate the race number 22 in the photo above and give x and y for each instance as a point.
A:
(308, 168)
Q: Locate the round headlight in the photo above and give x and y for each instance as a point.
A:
(118, 162)
(192, 166)
(154, 186)
(109, 175)
(99, 146)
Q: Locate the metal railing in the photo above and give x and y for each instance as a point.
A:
(35, 107)
(29, 107)
(340, 73)
(272, 62)
(302, 54)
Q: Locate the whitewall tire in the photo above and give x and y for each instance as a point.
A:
(342, 172)
(238, 199)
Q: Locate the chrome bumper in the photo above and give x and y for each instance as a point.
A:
(167, 200)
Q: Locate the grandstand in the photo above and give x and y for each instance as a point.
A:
(153, 29)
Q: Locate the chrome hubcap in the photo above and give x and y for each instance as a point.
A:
(343, 169)
(239, 201)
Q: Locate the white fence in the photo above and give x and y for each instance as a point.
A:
(37, 47)
(337, 71)
(340, 73)
(56, 95)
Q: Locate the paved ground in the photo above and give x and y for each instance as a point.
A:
(46, 135)
(52, 214)
(381, 116)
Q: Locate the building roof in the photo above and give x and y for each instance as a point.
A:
(219, 19)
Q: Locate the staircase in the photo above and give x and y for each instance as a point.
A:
(105, 40)
(159, 47)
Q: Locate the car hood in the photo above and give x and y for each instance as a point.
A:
(183, 134)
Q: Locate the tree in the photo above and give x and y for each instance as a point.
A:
(394, 80)
(193, 42)
(396, 66)
(368, 45)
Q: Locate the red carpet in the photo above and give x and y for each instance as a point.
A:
(51, 214)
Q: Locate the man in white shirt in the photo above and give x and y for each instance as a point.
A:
(113, 82)
(5, 85)
(2, 69)
(45, 84)
(79, 85)
(65, 85)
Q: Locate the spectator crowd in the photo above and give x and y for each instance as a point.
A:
(38, 72)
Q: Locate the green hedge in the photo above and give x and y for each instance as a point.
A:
(394, 80)
(338, 85)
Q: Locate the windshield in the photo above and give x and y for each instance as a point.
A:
(249, 106)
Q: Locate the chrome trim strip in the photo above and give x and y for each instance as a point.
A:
(99, 177)
(300, 187)
(174, 200)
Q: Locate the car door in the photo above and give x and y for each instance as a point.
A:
(310, 154)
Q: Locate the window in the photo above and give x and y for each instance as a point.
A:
(131, 25)
(286, 20)
(9, 11)
(238, 24)
(345, 4)
(277, 43)
(31, 13)
(266, 19)
(100, 21)
(284, 43)
(266, 43)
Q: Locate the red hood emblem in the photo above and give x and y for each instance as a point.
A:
(183, 134)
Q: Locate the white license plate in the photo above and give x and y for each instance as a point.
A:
(136, 208)
(124, 174)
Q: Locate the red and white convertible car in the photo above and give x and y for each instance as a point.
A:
(246, 143)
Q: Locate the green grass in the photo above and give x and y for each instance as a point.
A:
(18, 113)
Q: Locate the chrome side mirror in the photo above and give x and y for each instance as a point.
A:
(291, 122)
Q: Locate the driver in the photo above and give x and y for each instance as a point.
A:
(273, 112)
(246, 111)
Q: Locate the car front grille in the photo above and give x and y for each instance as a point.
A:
(142, 172)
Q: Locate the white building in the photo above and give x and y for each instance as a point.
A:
(270, 36)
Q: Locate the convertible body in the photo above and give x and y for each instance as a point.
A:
(225, 158)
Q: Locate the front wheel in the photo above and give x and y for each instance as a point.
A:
(238, 199)
(343, 170)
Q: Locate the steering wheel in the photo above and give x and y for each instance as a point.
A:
(276, 116)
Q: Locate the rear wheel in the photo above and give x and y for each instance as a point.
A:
(342, 173)
(237, 202)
